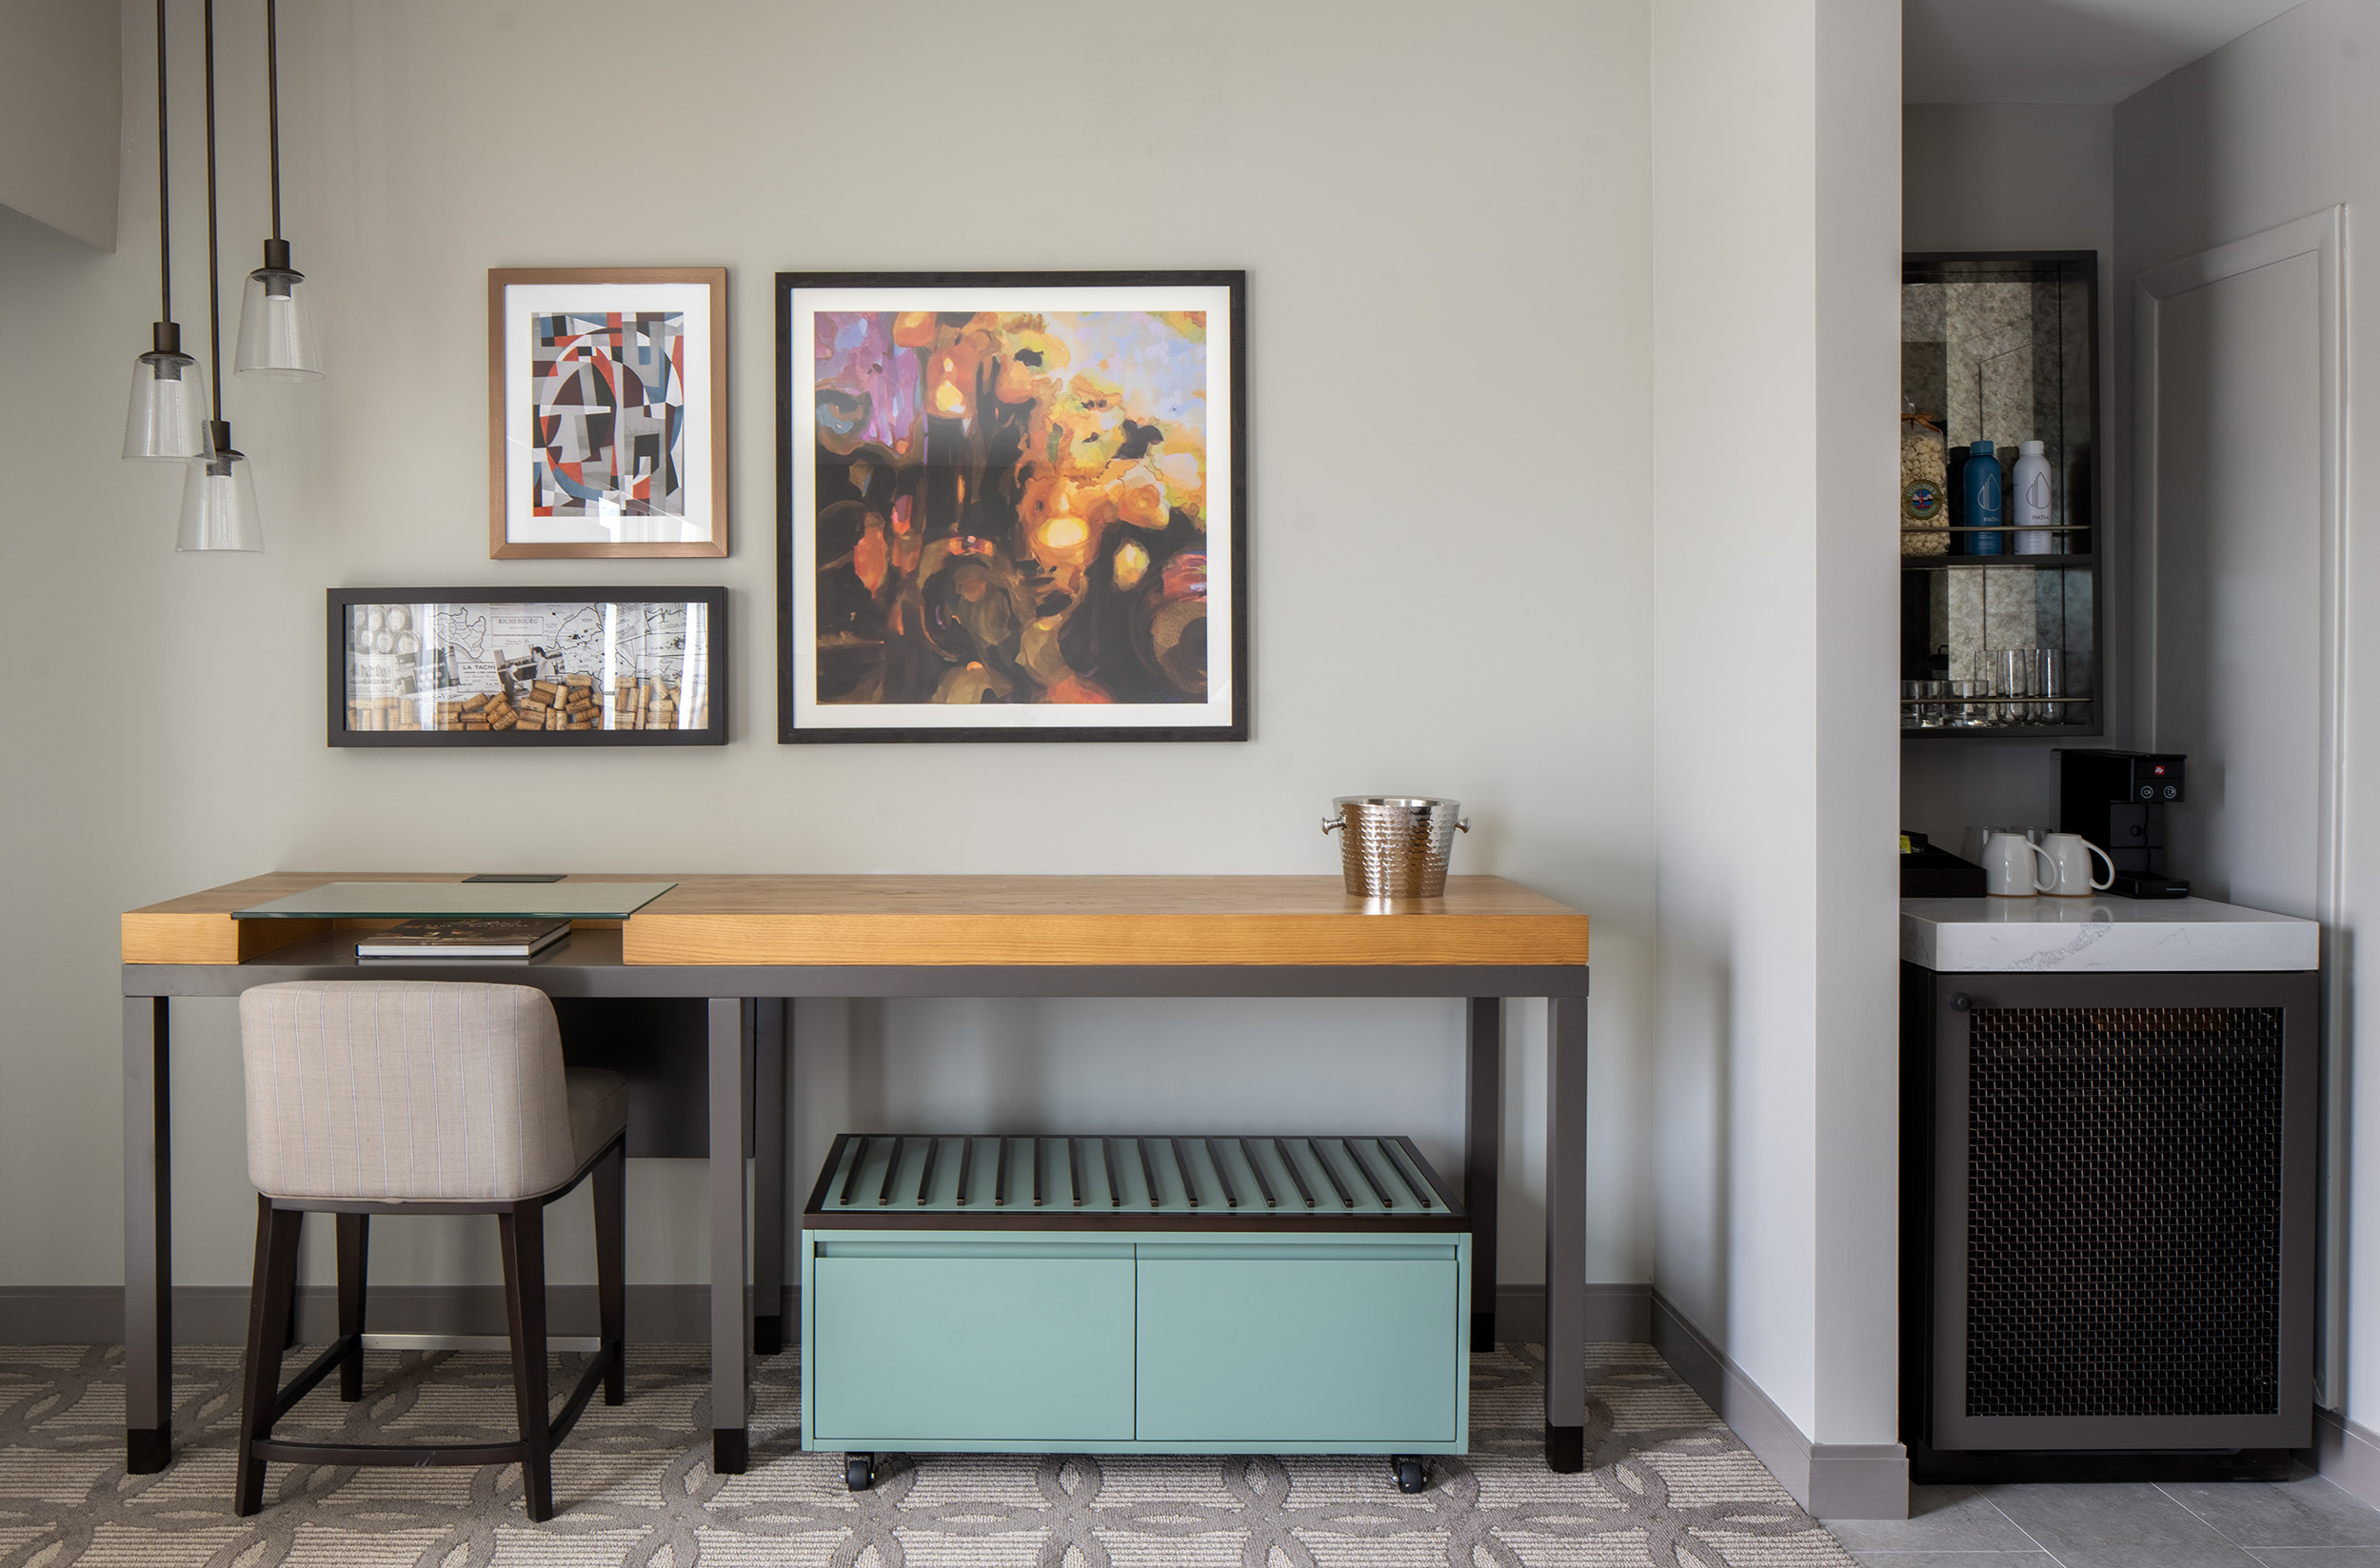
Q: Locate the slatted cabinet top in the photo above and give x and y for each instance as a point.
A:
(711, 918)
(884, 1180)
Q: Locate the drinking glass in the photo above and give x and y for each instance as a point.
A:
(2011, 675)
(1912, 713)
(1933, 714)
(2050, 681)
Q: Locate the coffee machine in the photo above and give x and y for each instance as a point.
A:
(2118, 801)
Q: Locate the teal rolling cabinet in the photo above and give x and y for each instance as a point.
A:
(1203, 1295)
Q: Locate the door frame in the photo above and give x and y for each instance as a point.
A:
(2323, 236)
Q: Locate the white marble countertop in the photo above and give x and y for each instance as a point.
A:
(2087, 936)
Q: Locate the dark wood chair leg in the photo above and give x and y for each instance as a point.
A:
(611, 1289)
(522, 1231)
(354, 1237)
(289, 1340)
(271, 1289)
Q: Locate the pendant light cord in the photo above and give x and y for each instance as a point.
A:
(214, 288)
(165, 224)
(272, 101)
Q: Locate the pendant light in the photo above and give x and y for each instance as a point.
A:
(219, 494)
(276, 328)
(161, 421)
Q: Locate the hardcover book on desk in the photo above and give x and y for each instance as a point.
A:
(463, 939)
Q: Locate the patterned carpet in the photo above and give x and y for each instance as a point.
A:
(1669, 1485)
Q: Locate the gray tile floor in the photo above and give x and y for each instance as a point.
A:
(2304, 1524)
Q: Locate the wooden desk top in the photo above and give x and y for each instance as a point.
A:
(711, 918)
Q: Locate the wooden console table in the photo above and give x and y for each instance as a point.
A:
(747, 945)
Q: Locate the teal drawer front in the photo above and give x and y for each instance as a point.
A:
(961, 1342)
(1299, 1345)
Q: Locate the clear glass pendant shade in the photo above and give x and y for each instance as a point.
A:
(166, 421)
(219, 505)
(277, 329)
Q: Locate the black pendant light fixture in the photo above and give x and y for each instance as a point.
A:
(219, 494)
(276, 328)
(163, 422)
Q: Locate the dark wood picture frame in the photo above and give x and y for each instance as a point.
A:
(339, 602)
(794, 411)
(501, 546)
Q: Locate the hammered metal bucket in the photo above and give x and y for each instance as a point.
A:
(1395, 846)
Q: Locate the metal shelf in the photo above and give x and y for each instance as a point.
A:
(1936, 562)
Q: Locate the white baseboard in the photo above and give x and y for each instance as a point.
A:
(1831, 1481)
(2347, 1453)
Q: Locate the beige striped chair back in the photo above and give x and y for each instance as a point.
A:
(395, 1090)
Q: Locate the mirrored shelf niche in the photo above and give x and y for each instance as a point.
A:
(1999, 626)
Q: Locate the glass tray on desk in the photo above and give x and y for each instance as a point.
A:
(461, 900)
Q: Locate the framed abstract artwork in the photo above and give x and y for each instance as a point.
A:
(607, 412)
(1012, 507)
(527, 666)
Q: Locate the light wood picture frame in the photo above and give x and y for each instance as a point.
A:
(606, 412)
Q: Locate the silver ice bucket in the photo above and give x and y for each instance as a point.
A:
(1395, 846)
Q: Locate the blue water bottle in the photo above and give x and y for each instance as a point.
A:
(1981, 486)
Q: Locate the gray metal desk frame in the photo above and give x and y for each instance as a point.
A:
(752, 1003)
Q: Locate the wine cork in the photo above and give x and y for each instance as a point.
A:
(505, 721)
(475, 702)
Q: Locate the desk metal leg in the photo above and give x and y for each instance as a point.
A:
(1483, 1146)
(1566, 1234)
(147, 1240)
(731, 1321)
(772, 1024)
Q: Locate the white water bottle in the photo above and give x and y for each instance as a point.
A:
(2029, 506)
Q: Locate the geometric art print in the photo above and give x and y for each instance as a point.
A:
(608, 394)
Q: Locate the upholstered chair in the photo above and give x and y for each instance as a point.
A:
(421, 1096)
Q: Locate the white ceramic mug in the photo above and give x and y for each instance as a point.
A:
(2014, 866)
(2073, 852)
(1970, 842)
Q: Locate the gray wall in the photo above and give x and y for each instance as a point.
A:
(1444, 217)
(2012, 177)
(2272, 127)
(60, 76)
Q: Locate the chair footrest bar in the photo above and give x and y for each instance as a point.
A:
(572, 1344)
(279, 1451)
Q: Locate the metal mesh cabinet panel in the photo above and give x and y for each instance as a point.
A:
(2124, 1235)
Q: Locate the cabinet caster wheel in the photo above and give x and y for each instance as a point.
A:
(858, 1471)
(1412, 1476)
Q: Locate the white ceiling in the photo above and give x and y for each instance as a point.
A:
(2060, 51)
